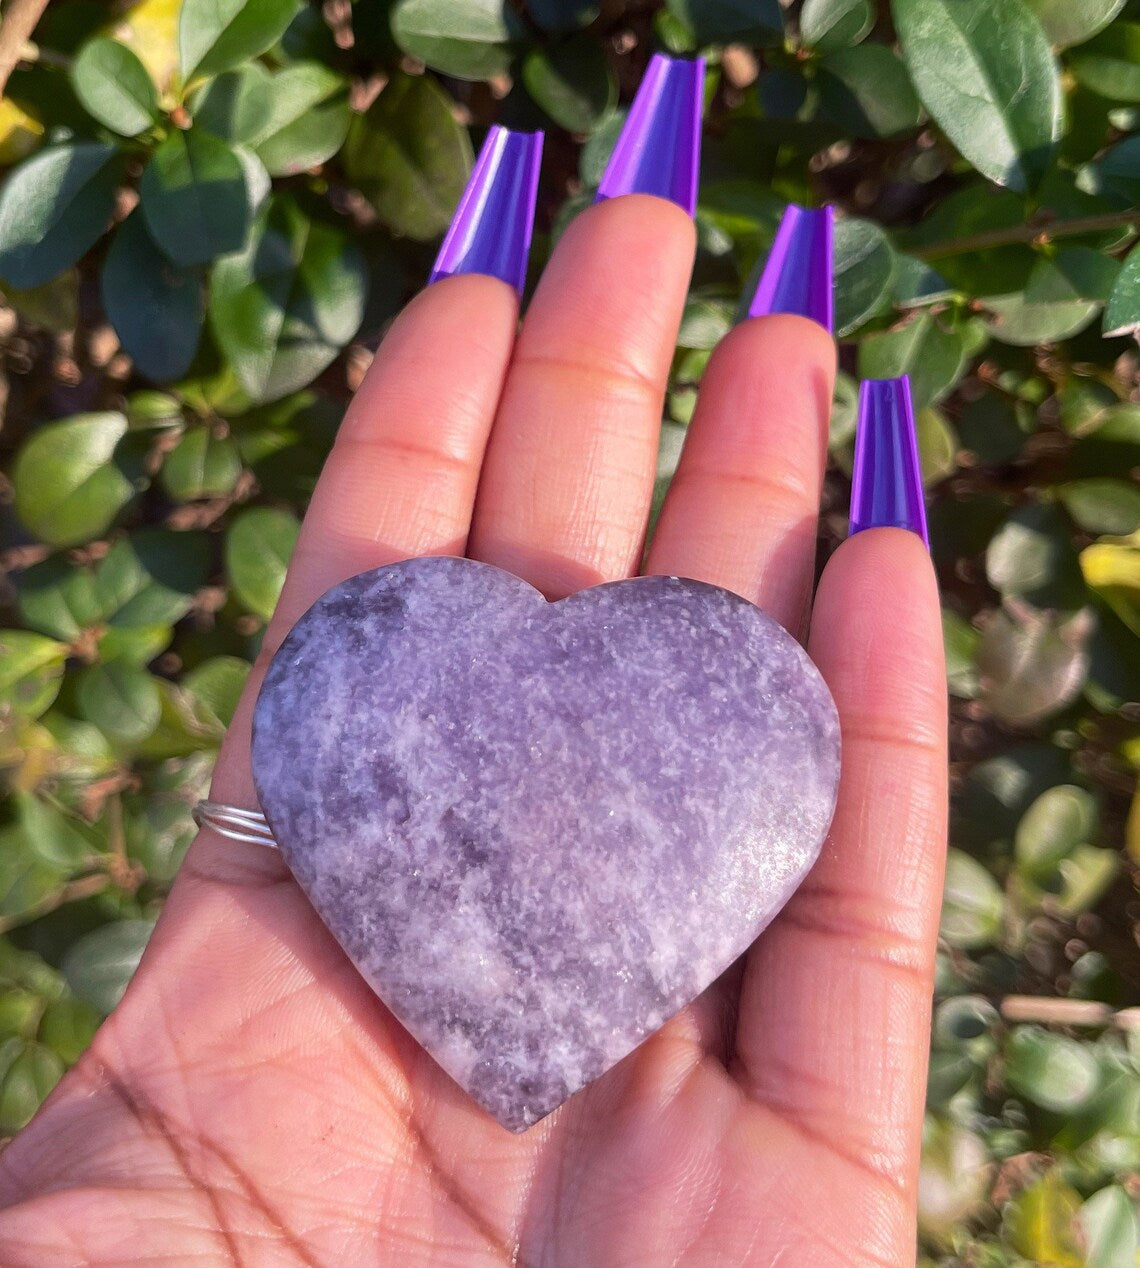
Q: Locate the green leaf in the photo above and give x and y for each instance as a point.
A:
(156, 308)
(937, 445)
(236, 106)
(469, 39)
(201, 465)
(998, 791)
(827, 25)
(215, 35)
(572, 82)
(150, 577)
(28, 1072)
(1073, 273)
(985, 72)
(972, 903)
(995, 428)
(1115, 175)
(1052, 1071)
(156, 827)
(866, 91)
(1112, 569)
(53, 207)
(409, 157)
(705, 322)
(1112, 1231)
(1041, 1223)
(100, 964)
(725, 21)
(1054, 825)
(40, 851)
(216, 686)
(195, 197)
(1122, 315)
(1032, 664)
(134, 645)
(145, 580)
(31, 669)
(1109, 64)
(916, 283)
(933, 356)
(1032, 555)
(953, 1182)
(259, 545)
(1103, 505)
(1015, 320)
(308, 119)
(864, 269)
(961, 642)
(283, 308)
(1066, 22)
(67, 1027)
(119, 698)
(115, 87)
(70, 481)
(1085, 877)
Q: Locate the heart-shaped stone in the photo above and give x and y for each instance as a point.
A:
(540, 829)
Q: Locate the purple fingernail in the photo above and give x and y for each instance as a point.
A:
(797, 276)
(886, 487)
(659, 150)
(490, 231)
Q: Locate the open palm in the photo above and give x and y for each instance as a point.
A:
(252, 1102)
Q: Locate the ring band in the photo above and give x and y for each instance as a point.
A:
(235, 823)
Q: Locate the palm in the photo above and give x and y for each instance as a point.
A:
(251, 1100)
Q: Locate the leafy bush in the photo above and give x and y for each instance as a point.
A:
(210, 213)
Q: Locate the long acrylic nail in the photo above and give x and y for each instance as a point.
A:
(797, 275)
(491, 229)
(659, 150)
(886, 487)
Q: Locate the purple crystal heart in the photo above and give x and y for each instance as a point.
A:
(540, 829)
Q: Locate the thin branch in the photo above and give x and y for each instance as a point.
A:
(16, 26)
(1050, 1011)
(1031, 231)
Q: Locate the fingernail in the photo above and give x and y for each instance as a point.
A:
(886, 486)
(491, 229)
(797, 275)
(659, 150)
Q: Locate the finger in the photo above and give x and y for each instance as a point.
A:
(835, 1006)
(742, 507)
(401, 478)
(568, 475)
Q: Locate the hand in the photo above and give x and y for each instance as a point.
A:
(251, 1101)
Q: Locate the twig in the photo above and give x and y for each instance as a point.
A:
(1067, 1012)
(16, 26)
(1031, 231)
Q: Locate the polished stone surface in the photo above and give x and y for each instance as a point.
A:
(539, 830)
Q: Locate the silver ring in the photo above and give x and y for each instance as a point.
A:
(235, 823)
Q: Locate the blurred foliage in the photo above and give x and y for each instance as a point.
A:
(211, 211)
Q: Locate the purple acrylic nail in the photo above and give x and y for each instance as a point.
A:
(797, 276)
(886, 487)
(659, 150)
(490, 231)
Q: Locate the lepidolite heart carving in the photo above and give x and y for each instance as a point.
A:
(540, 829)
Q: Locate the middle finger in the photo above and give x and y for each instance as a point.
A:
(568, 474)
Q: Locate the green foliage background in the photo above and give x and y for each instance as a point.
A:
(211, 210)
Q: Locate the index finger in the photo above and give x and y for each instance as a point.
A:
(402, 475)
